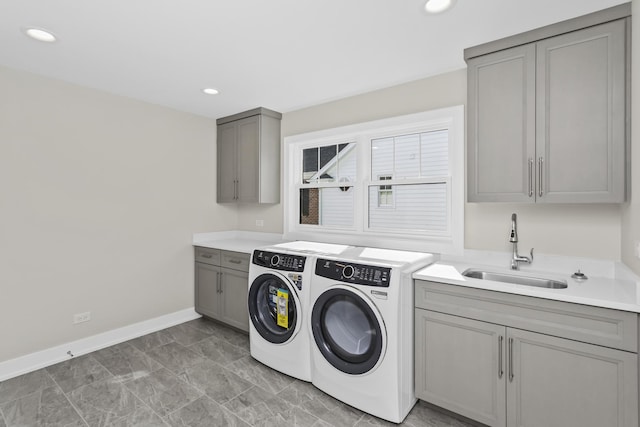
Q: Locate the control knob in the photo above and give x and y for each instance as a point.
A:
(348, 271)
(275, 260)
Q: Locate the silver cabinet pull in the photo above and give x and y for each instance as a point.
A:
(235, 261)
(235, 189)
(540, 171)
(500, 370)
(206, 255)
(530, 177)
(511, 360)
(218, 284)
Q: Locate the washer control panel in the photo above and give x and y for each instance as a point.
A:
(279, 261)
(359, 274)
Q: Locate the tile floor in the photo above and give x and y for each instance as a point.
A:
(199, 373)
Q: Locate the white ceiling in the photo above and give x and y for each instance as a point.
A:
(280, 54)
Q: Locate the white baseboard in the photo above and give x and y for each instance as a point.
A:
(41, 359)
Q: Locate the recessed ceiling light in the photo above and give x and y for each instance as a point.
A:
(210, 91)
(438, 6)
(40, 35)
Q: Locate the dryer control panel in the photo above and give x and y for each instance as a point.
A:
(359, 274)
(279, 261)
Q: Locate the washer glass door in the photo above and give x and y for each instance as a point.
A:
(348, 330)
(263, 308)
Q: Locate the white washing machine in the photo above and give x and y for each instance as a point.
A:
(278, 302)
(362, 329)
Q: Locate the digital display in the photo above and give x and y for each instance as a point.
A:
(359, 274)
(279, 261)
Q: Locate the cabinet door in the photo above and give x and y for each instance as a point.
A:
(580, 133)
(235, 290)
(555, 382)
(207, 279)
(460, 365)
(248, 167)
(226, 143)
(501, 126)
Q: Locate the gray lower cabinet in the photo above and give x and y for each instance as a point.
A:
(233, 298)
(249, 157)
(547, 120)
(207, 300)
(470, 359)
(221, 286)
(458, 366)
(559, 382)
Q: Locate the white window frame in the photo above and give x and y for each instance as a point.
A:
(449, 242)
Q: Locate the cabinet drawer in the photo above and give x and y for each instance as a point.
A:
(595, 325)
(235, 260)
(207, 255)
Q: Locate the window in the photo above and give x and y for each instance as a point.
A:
(326, 195)
(419, 161)
(385, 193)
(395, 183)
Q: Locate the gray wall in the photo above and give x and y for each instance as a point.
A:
(572, 230)
(99, 198)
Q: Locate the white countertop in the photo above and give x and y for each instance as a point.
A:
(596, 291)
(600, 290)
(236, 241)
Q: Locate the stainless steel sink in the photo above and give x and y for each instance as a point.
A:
(515, 279)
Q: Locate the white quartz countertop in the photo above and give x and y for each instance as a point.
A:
(236, 241)
(596, 291)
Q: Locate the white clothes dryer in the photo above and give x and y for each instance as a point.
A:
(362, 329)
(278, 303)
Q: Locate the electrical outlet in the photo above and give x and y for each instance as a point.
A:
(81, 317)
(259, 222)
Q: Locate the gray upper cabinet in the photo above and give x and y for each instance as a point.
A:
(226, 142)
(249, 157)
(580, 135)
(547, 114)
(501, 125)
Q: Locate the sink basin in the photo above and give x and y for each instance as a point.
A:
(515, 279)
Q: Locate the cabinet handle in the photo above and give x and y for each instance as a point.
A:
(220, 282)
(530, 177)
(540, 169)
(511, 360)
(206, 255)
(219, 279)
(500, 370)
(235, 261)
(235, 189)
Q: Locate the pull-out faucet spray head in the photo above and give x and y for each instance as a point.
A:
(513, 238)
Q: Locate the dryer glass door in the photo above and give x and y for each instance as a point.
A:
(266, 295)
(347, 331)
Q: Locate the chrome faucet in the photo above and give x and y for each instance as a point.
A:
(513, 238)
